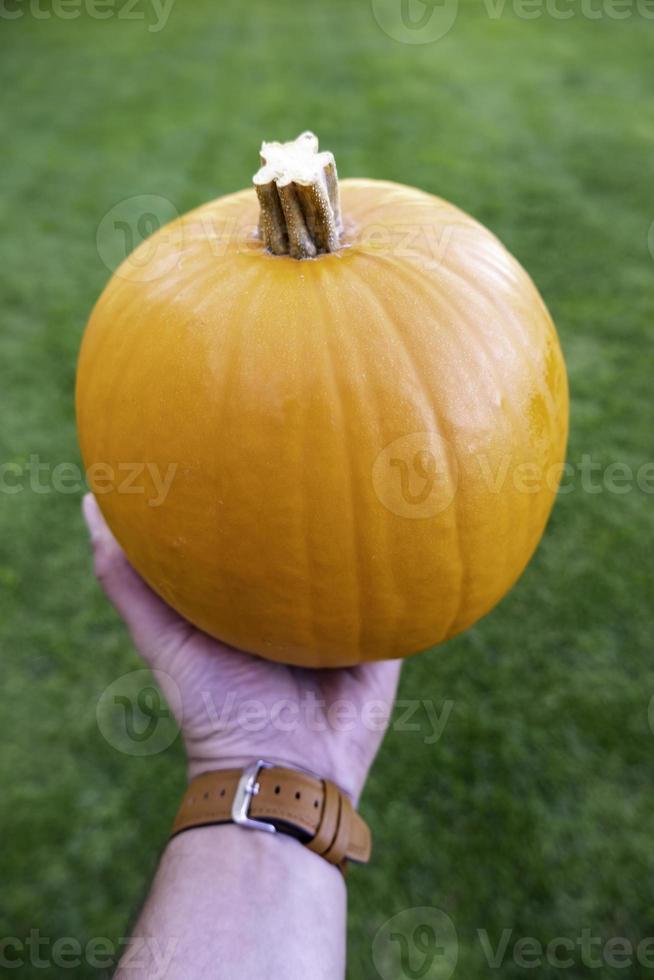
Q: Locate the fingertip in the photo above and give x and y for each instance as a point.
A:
(108, 557)
(91, 514)
(98, 528)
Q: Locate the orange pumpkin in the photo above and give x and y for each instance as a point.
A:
(344, 451)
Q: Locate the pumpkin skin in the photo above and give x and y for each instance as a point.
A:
(354, 436)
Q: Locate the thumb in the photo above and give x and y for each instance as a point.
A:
(156, 629)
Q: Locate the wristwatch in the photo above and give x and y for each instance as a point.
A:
(273, 799)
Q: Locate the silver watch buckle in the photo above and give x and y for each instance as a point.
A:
(248, 786)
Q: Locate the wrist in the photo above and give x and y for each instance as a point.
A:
(266, 798)
(247, 854)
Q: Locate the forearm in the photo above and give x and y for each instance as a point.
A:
(228, 903)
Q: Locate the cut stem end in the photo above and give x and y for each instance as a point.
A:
(298, 196)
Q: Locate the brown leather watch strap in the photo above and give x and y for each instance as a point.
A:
(270, 798)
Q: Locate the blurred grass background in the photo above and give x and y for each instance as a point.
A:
(535, 810)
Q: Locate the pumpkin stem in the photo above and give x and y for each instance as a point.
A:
(298, 195)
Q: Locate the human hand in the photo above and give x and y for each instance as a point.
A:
(236, 707)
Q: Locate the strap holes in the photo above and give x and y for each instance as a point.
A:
(278, 790)
(316, 804)
(297, 795)
(222, 792)
(206, 796)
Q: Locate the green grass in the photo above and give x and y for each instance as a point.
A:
(535, 810)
